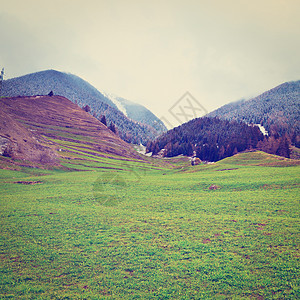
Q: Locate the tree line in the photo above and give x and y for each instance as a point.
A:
(212, 139)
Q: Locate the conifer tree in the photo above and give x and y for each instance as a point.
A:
(112, 127)
(103, 120)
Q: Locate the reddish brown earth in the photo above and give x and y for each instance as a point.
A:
(19, 143)
(28, 126)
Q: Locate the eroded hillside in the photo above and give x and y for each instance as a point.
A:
(35, 128)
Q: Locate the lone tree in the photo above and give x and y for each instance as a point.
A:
(50, 94)
(86, 108)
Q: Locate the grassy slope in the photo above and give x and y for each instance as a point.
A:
(130, 230)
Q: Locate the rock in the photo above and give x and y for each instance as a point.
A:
(195, 161)
(4, 144)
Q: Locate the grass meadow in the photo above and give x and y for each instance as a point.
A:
(112, 229)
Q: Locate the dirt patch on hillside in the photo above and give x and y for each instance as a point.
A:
(28, 182)
(214, 187)
(28, 126)
(19, 143)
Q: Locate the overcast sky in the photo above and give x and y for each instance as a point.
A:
(152, 52)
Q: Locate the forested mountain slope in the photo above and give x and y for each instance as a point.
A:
(211, 138)
(278, 109)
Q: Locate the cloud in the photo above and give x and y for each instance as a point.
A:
(153, 52)
(17, 55)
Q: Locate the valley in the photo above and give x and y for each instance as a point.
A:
(149, 150)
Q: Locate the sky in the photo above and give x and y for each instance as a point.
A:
(153, 52)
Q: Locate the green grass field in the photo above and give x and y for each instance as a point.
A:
(112, 229)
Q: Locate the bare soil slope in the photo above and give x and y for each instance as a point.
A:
(30, 127)
(17, 142)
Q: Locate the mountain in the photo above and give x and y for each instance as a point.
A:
(277, 110)
(234, 127)
(135, 123)
(45, 129)
(137, 112)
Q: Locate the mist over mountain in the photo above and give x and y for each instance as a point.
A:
(135, 123)
(278, 109)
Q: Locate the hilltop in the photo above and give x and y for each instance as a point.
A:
(135, 123)
(37, 128)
